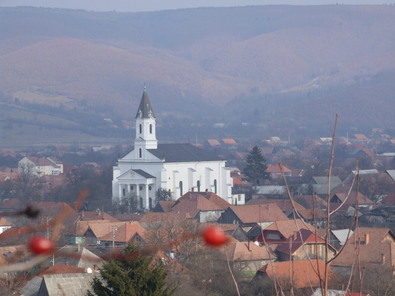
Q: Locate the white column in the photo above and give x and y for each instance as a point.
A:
(146, 197)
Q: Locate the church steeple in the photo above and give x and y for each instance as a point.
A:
(145, 108)
(145, 125)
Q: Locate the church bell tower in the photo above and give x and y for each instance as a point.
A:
(145, 125)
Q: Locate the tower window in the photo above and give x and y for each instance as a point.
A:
(140, 128)
(180, 185)
(215, 186)
(198, 186)
(150, 128)
(140, 153)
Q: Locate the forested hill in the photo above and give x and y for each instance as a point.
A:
(82, 73)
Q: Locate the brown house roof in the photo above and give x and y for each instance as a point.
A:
(125, 232)
(193, 202)
(374, 246)
(98, 227)
(289, 227)
(152, 217)
(258, 213)
(5, 222)
(246, 251)
(274, 169)
(284, 204)
(302, 273)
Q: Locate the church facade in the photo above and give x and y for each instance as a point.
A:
(170, 168)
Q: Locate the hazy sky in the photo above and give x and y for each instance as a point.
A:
(152, 5)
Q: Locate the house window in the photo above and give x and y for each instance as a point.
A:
(140, 153)
(140, 128)
(181, 190)
(215, 186)
(141, 202)
(198, 185)
(150, 187)
(150, 203)
(150, 128)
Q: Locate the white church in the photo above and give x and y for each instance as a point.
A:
(176, 168)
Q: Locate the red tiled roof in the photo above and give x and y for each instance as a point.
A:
(258, 213)
(305, 273)
(165, 205)
(248, 251)
(98, 227)
(193, 202)
(5, 222)
(374, 246)
(164, 216)
(60, 268)
(271, 168)
(124, 232)
(229, 141)
(289, 227)
(87, 215)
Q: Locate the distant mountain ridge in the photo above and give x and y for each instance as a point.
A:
(244, 64)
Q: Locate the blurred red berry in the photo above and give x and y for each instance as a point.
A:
(214, 236)
(41, 245)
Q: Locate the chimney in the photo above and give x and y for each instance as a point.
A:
(367, 237)
(382, 259)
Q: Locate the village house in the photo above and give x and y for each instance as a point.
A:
(374, 248)
(248, 257)
(304, 245)
(277, 232)
(40, 166)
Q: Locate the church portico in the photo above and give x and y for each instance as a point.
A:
(139, 187)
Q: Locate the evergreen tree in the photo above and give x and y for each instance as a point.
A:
(256, 167)
(132, 275)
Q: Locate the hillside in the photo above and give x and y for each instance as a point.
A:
(69, 70)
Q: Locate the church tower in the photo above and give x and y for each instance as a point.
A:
(145, 125)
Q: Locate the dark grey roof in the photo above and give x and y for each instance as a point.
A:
(144, 174)
(76, 284)
(183, 153)
(145, 108)
(31, 288)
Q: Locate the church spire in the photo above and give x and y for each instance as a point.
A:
(145, 125)
(145, 109)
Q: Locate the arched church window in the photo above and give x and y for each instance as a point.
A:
(198, 185)
(181, 190)
(150, 128)
(215, 186)
(140, 187)
(140, 128)
(150, 187)
(140, 153)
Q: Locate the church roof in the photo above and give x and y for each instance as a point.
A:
(182, 153)
(144, 174)
(145, 108)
